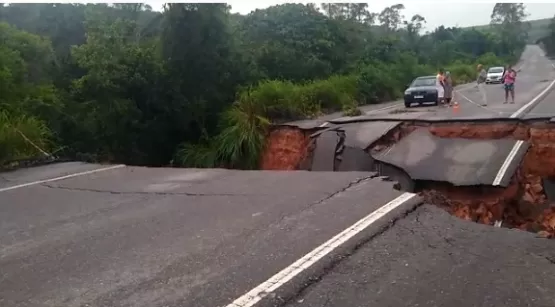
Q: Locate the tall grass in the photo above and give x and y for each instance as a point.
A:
(22, 137)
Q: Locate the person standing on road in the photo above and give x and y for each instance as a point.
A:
(481, 82)
(509, 79)
(440, 85)
(448, 87)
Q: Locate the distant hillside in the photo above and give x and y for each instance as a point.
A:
(538, 29)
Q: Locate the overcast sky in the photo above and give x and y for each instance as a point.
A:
(447, 13)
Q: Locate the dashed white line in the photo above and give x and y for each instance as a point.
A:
(61, 177)
(475, 103)
(258, 293)
(507, 163)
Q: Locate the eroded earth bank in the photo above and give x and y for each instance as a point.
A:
(500, 173)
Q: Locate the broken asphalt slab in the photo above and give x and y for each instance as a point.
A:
(362, 135)
(459, 161)
(182, 237)
(432, 259)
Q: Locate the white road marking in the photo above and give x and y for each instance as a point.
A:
(252, 297)
(473, 102)
(526, 106)
(61, 178)
(507, 163)
(324, 124)
(382, 109)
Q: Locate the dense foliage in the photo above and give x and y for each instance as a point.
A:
(548, 41)
(200, 86)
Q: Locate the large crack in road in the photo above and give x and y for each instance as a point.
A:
(492, 172)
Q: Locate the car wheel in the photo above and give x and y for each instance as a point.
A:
(436, 103)
(407, 104)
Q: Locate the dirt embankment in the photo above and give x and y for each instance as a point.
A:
(523, 204)
(286, 148)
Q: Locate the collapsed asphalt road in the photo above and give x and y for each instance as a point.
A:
(126, 236)
(432, 150)
(88, 235)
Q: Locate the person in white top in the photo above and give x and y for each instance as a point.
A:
(480, 82)
(440, 85)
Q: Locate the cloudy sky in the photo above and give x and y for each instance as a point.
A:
(437, 13)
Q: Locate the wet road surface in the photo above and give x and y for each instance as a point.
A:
(169, 237)
(133, 236)
(533, 88)
(433, 259)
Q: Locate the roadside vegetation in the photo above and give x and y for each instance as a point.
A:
(195, 85)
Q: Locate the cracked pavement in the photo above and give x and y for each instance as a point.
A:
(167, 237)
(136, 236)
(431, 259)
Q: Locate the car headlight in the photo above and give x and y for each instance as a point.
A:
(407, 92)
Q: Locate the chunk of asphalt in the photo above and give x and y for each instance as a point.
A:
(363, 134)
(404, 182)
(549, 189)
(323, 159)
(355, 159)
(319, 132)
(459, 161)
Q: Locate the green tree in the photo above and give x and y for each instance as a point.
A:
(508, 20)
(391, 18)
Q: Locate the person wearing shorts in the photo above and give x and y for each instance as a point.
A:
(509, 84)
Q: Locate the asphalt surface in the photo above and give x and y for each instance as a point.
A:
(24, 175)
(536, 74)
(189, 237)
(168, 237)
(455, 160)
(430, 259)
(458, 161)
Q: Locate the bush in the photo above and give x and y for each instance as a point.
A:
(331, 94)
(376, 84)
(462, 73)
(276, 99)
(22, 137)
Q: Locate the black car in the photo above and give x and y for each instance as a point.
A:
(422, 90)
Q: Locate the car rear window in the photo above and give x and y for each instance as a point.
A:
(495, 70)
(424, 82)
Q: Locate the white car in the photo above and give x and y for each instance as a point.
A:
(494, 74)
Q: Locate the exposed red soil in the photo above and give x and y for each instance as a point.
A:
(286, 148)
(480, 130)
(523, 204)
(478, 204)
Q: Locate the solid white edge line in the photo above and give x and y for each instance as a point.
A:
(324, 124)
(61, 177)
(526, 106)
(252, 297)
(507, 163)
